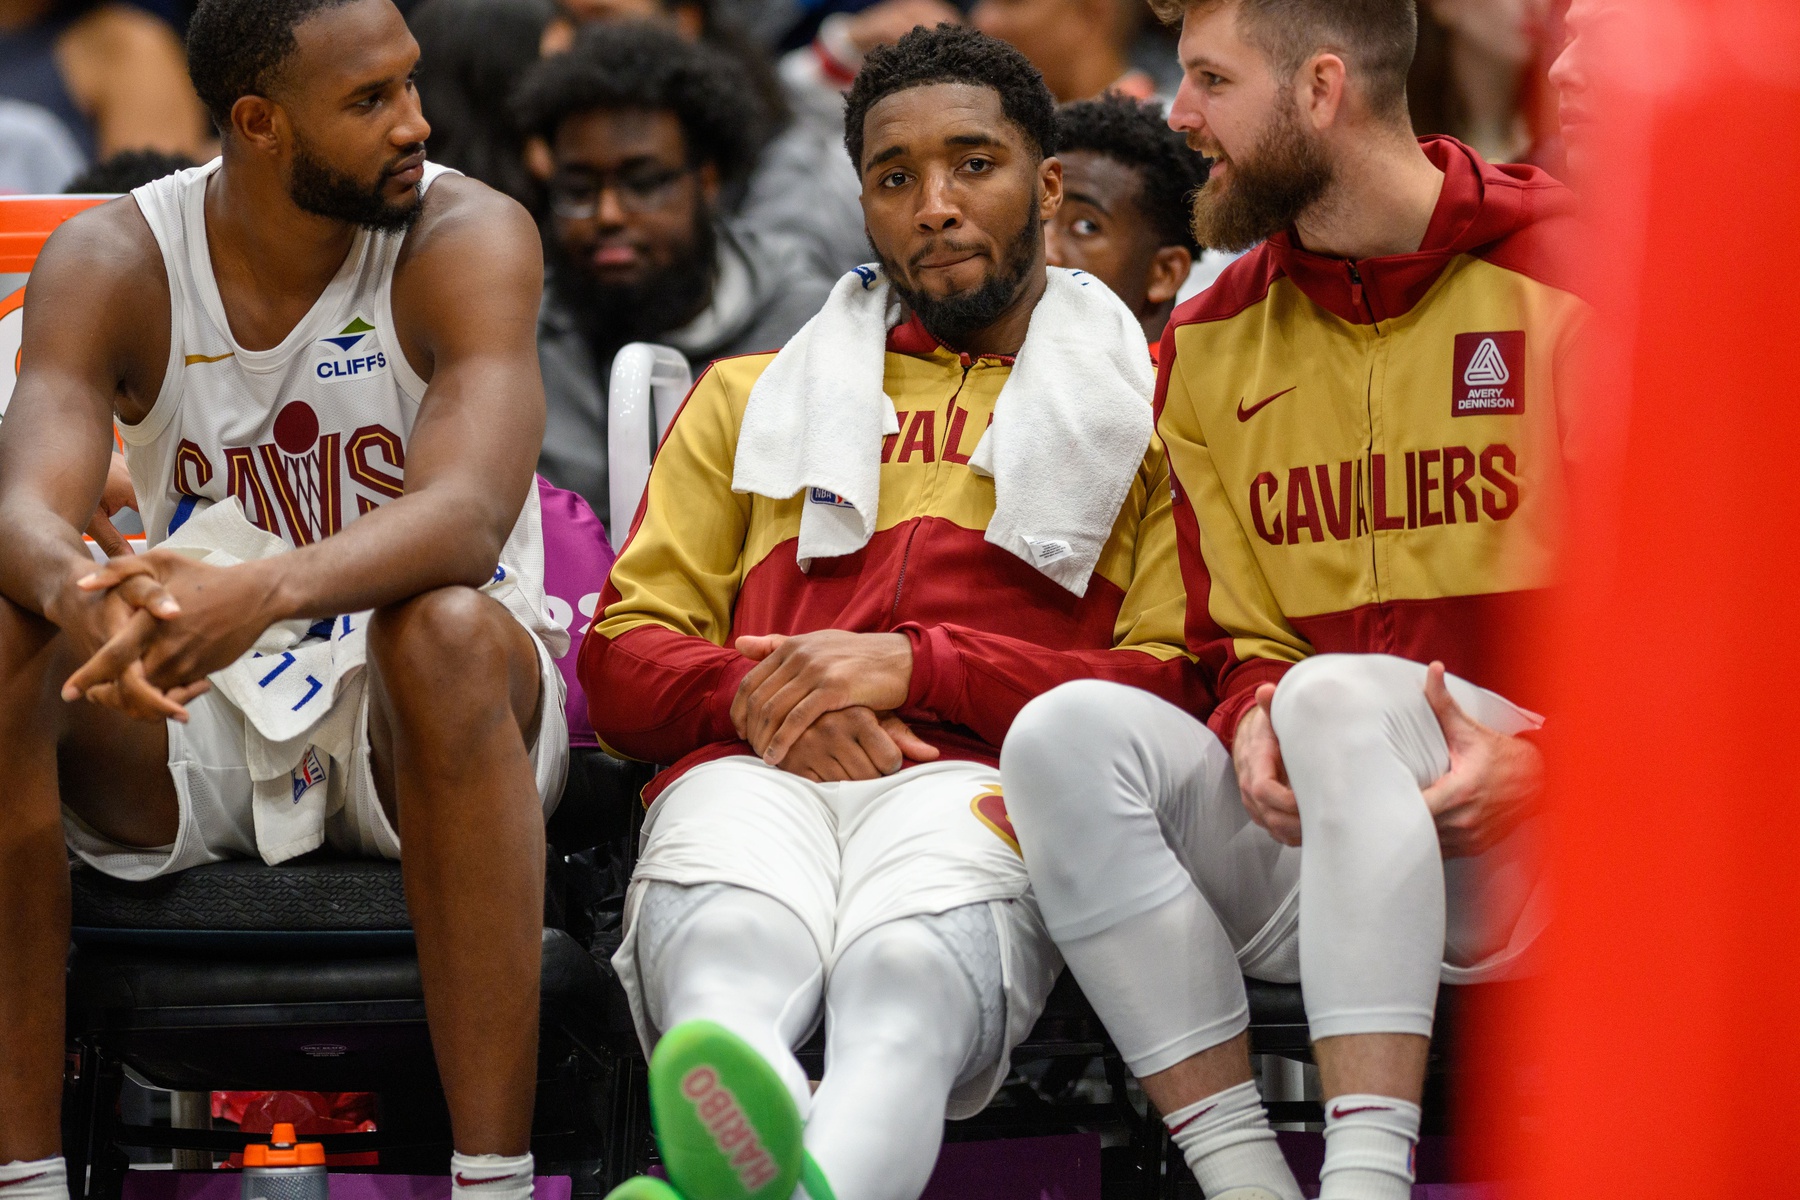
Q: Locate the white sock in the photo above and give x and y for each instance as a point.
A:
(1369, 1143)
(1227, 1142)
(39, 1179)
(488, 1177)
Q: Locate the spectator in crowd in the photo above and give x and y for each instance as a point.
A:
(1083, 47)
(800, 184)
(1124, 217)
(638, 134)
(1479, 75)
(471, 56)
(126, 170)
(111, 74)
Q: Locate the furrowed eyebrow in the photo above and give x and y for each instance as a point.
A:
(890, 153)
(971, 139)
(1084, 198)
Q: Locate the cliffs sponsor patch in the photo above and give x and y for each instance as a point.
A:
(1489, 375)
(356, 355)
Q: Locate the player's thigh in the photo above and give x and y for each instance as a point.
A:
(111, 770)
(437, 665)
(928, 839)
(741, 822)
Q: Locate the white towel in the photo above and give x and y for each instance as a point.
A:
(1070, 426)
(300, 689)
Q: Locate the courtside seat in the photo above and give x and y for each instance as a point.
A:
(242, 976)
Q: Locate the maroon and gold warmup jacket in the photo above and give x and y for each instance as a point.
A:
(1370, 456)
(704, 566)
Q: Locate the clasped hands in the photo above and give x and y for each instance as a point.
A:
(153, 626)
(821, 705)
(1492, 784)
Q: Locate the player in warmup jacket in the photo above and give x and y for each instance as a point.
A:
(317, 350)
(1368, 420)
(830, 840)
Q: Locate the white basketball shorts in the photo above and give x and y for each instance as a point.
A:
(213, 790)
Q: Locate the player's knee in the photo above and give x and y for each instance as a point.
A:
(1330, 696)
(427, 645)
(893, 989)
(1061, 747)
(1072, 725)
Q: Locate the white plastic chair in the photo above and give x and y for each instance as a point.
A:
(648, 384)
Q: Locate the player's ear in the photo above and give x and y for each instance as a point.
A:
(255, 120)
(1050, 187)
(709, 183)
(1169, 268)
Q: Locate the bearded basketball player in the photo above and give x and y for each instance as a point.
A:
(334, 335)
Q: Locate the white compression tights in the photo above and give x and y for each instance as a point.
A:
(1129, 815)
(914, 1007)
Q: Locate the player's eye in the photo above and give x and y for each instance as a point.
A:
(1211, 80)
(893, 179)
(1085, 226)
(979, 165)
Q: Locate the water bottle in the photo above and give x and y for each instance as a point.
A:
(285, 1169)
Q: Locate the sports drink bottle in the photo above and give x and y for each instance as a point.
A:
(285, 1169)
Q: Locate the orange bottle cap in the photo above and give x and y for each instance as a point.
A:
(284, 1150)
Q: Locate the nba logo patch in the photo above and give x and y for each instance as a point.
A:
(821, 496)
(308, 774)
(1489, 374)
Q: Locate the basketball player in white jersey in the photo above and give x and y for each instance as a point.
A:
(328, 331)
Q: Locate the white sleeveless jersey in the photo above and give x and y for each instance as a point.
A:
(308, 435)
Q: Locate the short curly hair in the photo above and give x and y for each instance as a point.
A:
(952, 54)
(638, 65)
(237, 48)
(1137, 135)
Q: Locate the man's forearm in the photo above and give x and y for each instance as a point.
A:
(408, 546)
(39, 556)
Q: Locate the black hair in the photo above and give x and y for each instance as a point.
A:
(237, 47)
(1137, 135)
(126, 170)
(644, 66)
(471, 54)
(952, 54)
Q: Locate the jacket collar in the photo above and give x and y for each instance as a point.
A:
(1364, 291)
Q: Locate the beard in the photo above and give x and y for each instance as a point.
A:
(322, 190)
(1269, 189)
(610, 315)
(952, 320)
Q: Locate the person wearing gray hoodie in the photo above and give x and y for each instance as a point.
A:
(640, 132)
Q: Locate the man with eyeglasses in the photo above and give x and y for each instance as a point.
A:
(637, 133)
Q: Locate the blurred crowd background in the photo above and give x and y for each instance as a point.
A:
(685, 159)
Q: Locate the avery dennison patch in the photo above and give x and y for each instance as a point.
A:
(1489, 374)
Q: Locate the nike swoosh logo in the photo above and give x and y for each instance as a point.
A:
(23, 1179)
(196, 359)
(1340, 1113)
(1244, 414)
(1192, 1119)
(464, 1181)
